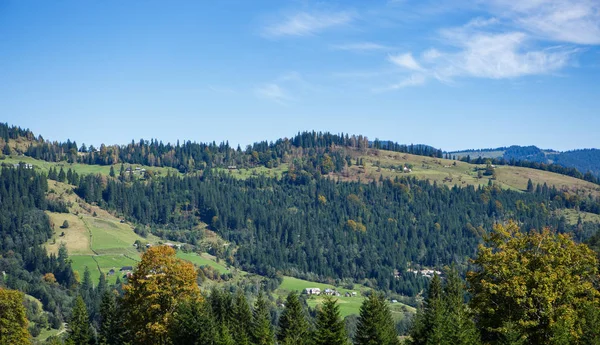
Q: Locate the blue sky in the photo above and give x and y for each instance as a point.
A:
(452, 74)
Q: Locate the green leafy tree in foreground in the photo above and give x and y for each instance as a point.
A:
(330, 329)
(375, 324)
(537, 287)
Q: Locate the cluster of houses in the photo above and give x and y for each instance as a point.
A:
(174, 246)
(136, 170)
(328, 292)
(127, 271)
(23, 165)
(428, 273)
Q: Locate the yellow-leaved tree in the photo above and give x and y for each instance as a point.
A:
(159, 283)
(13, 322)
(535, 288)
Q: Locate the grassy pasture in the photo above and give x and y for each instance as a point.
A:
(83, 169)
(348, 305)
(203, 260)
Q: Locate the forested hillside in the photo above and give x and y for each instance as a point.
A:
(24, 228)
(327, 208)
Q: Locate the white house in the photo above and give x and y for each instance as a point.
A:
(312, 291)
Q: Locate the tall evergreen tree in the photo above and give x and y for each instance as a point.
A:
(293, 327)
(262, 333)
(241, 322)
(428, 327)
(375, 324)
(111, 324)
(193, 324)
(80, 332)
(330, 329)
(459, 326)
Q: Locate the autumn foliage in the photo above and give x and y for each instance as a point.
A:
(13, 322)
(534, 288)
(159, 283)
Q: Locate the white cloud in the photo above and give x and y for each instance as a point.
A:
(406, 61)
(479, 53)
(361, 46)
(306, 24)
(571, 21)
(413, 80)
(273, 92)
(498, 56)
(431, 54)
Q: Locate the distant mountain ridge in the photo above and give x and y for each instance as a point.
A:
(584, 160)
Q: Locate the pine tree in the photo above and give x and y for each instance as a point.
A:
(529, 186)
(111, 326)
(241, 322)
(193, 324)
(62, 177)
(459, 326)
(112, 171)
(293, 327)
(330, 328)
(375, 324)
(80, 332)
(262, 333)
(428, 327)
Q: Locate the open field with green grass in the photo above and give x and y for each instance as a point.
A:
(450, 172)
(348, 305)
(99, 242)
(83, 169)
(203, 260)
(572, 216)
(244, 173)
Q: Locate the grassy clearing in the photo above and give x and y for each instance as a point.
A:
(76, 238)
(203, 260)
(83, 169)
(245, 173)
(450, 172)
(572, 216)
(111, 237)
(348, 305)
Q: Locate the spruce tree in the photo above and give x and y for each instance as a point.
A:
(193, 324)
(79, 332)
(241, 322)
(459, 326)
(262, 333)
(330, 326)
(110, 330)
(375, 324)
(428, 327)
(293, 327)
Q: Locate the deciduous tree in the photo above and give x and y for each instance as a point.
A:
(535, 286)
(13, 321)
(158, 284)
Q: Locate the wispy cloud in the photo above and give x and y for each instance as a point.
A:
(406, 61)
(361, 47)
(413, 80)
(272, 92)
(306, 24)
(479, 49)
(571, 21)
(286, 88)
